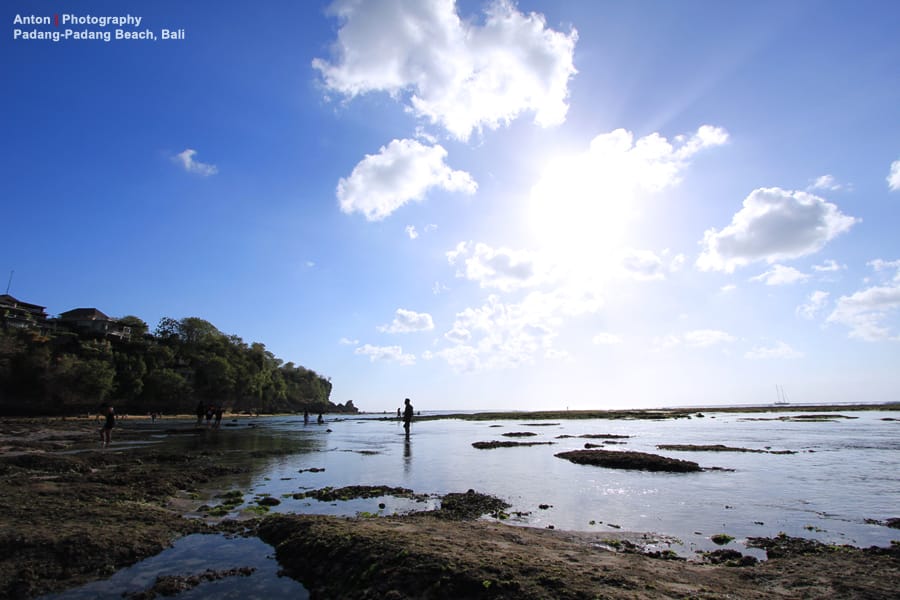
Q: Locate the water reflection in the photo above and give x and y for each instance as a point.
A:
(192, 555)
(407, 455)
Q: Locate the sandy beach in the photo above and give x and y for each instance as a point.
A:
(71, 517)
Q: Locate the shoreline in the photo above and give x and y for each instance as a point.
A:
(653, 413)
(74, 513)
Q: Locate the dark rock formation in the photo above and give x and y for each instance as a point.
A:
(630, 460)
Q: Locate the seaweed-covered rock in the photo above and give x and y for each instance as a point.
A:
(330, 494)
(706, 448)
(470, 505)
(497, 444)
(729, 558)
(640, 461)
(518, 434)
(783, 545)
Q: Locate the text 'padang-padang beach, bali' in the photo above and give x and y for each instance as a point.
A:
(449, 299)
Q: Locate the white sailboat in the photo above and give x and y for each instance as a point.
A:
(781, 395)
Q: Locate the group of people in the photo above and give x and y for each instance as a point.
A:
(216, 410)
(320, 419)
(213, 410)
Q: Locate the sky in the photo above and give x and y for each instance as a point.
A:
(478, 204)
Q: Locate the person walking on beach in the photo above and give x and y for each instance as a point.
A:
(106, 430)
(219, 410)
(407, 415)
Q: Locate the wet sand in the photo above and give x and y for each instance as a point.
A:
(73, 512)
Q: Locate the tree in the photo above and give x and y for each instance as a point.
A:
(138, 326)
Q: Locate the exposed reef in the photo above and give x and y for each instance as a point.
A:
(641, 461)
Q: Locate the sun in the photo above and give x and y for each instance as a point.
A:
(579, 212)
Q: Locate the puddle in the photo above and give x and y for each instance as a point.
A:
(193, 555)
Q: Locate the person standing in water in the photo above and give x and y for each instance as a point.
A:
(106, 430)
(407, 415)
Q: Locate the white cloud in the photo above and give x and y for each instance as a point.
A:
(885, 265)
(698, 338)
(458, 334)
(646, 265)
(606, 339)
(414, 233)
(455, 73)
(817, 301)
(665, 342)
(774, 224)
(826, 183)
(893, 177)
(499, 268)
(581, 205)
(408, 321)
(868, 313)
(402, 171)
(729, 287)
(500, 335)
(309, 264)
(348, 342)
(706, 136)
(643, 265)
(828, 266)
(386, 353)
(704, 338)
(190, 165)
(439, 288)
(781, 275)
(778, 350)
(556, 354)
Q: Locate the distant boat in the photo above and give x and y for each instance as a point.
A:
(781, 395)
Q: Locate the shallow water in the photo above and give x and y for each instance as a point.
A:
(192, 555)
(844, 472)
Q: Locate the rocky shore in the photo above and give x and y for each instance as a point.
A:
(427, 556)
(71, 512)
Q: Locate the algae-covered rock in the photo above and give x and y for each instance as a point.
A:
(640, 461)
(469, 505)
(496, 444)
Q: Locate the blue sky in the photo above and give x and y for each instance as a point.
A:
(478, 204)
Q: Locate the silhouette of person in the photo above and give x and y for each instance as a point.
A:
(407, 415)
(106, 430)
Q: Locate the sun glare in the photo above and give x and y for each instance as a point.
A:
(579, 214)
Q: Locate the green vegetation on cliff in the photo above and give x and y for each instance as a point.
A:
(181, 363)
